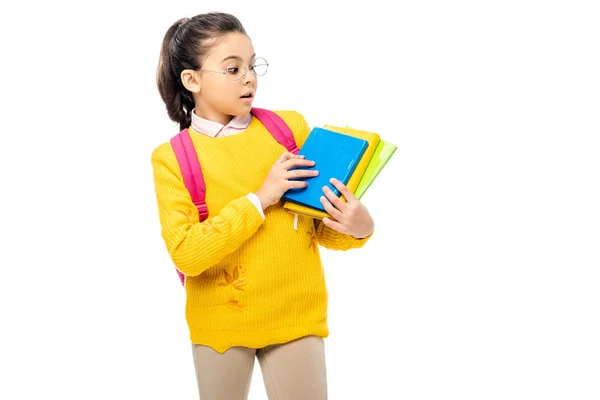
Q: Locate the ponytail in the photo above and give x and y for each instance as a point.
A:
(184, 46)
(177, 98)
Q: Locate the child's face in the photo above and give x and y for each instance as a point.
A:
(220, 96)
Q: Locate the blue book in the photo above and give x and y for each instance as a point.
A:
(336, 155)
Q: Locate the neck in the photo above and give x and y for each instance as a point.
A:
(212, 115)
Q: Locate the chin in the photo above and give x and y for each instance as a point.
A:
(241, 111)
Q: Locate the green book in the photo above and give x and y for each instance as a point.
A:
(382, 155)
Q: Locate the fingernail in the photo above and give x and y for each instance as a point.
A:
(315, 172)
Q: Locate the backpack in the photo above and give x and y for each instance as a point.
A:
(190, 166)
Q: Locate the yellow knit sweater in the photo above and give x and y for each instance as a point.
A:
(249, 282)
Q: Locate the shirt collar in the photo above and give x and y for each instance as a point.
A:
(213, 129)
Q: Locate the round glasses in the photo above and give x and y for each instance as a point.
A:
(235, 72)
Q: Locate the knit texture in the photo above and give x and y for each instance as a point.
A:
(249, 282)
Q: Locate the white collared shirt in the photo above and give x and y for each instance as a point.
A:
(215, 129)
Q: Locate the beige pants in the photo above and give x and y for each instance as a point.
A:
(294, 370)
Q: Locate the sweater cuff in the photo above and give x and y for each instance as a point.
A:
(366, 237)
(256, 201)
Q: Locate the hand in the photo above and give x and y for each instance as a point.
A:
(278, 180)
(350, 217)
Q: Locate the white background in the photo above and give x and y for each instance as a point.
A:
(482, 281)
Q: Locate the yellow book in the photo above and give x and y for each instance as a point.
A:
(373, 139)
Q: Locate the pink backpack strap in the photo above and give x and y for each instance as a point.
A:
(192, 175)
(278, 128)
(190, 170)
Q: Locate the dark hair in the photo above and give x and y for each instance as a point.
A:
(184, 46)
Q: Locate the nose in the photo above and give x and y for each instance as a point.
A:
(249, 77)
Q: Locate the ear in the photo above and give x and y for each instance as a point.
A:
(191, 80)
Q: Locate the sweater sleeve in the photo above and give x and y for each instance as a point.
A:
(335, 240)
(196, 246)
(326, 237)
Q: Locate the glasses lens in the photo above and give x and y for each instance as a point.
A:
(260, 66)
(235, 71)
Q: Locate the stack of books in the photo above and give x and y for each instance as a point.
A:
(352, 156)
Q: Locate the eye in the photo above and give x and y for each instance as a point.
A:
(233, 70)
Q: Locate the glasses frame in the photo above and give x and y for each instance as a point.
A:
(265, 62)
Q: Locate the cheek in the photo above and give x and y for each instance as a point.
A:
(218, 93)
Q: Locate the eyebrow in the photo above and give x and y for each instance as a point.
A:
(236, 58)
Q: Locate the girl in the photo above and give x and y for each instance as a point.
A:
(255, 285)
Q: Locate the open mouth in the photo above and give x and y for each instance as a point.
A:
(247, 96)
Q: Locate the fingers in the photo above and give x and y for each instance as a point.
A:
(291, 172)
(302, 173)
(344, 191)
(297, 184)
(297, 162)
(286, 155)
(336, 226)
(330, 209)
(336, 201)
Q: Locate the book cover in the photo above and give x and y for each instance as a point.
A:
(372, 139)
(336, 155)
(304, 210)
(382, 155)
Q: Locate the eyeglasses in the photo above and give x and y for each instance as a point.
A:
(235, 73)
